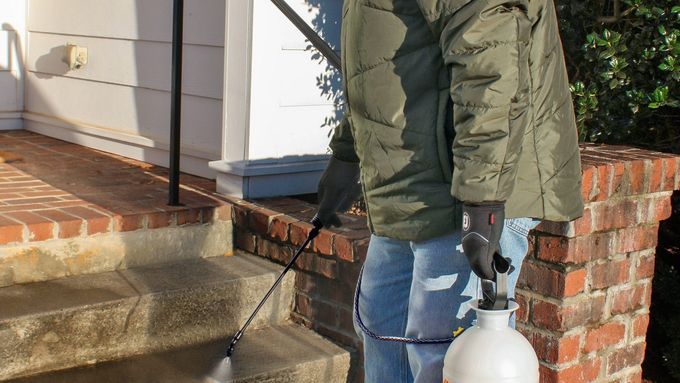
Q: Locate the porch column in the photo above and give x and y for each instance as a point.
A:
(278, 108)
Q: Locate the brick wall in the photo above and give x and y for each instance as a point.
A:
(584, 289)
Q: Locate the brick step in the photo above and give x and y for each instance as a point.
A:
(276, 354)
(80, 320)
(49, 242)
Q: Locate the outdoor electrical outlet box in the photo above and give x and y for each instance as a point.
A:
(76, 56)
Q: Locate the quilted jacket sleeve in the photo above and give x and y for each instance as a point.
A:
(485, 44)
(342, 142)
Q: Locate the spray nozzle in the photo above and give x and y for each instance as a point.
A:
(232, 345)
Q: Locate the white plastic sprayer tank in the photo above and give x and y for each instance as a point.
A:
(491, 352)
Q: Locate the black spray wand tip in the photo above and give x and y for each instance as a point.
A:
(232, 345)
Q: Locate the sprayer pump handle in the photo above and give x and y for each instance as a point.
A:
(496, 298)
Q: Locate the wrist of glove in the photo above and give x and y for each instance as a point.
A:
(338, 189)
(482, 229)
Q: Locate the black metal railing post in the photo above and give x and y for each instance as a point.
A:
(176, 103)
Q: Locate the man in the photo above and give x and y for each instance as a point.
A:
(460, 126)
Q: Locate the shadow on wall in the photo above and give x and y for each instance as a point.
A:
(327, 23)
(15, 56)
(51, 64)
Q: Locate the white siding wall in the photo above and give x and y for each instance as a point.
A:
(120, 101)
(12, 48)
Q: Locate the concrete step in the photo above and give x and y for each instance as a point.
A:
(99, 241)
(278, 354)
(86, 319)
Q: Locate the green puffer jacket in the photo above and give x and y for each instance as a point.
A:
(457, 100)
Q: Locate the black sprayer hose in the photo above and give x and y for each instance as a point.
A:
(309, 33)
(312, 234)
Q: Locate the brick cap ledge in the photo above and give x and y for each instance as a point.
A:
(616, 179)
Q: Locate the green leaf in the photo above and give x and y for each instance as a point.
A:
(606, 54)
(662, 30)
(613, 84)
(654, 105)
(675, 9)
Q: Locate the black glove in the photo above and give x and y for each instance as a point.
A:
(338, 188)
(482, 228)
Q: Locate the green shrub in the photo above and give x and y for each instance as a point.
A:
(625, 74)
(625, 78)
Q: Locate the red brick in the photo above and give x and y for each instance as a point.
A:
(587, 184)
(188, 217)
(349, 273)
(631, 299)
(636, 238)
(323, 243)
(96, 222)
(583, 225)
(331, 290)
(39, 228)
(344, 248)
(10, 231)
(245, 241)
(669, 174)
(35, 206)
(551, 282)
(159, 220)
(584, 372)
(556, 349)
(655, 175)
(277, 252)
(640, 324)
(604, 336)
(645, 267)
(299, 232)
(240, 216)
(317, 264)
(615, 214)
(604, 177)
(618, 187)
(259, 220)
(575, 282)
(659, 209)
(628, 356)
(346, 319)
(68, 225)
(609, 274)
(574, 250)
(280, 227)
(303, 306)
(565, 317)
(128, 222)
(222, 213)
(23, 201)
(316, 311)
(636, 173)
(522, 314)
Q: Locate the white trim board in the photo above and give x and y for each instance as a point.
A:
(270, 177)
(11, 121)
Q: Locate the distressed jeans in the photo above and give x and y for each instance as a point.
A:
(419, 290)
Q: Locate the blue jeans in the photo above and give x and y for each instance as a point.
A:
(419, 290)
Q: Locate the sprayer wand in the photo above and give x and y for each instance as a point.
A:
(312, 234)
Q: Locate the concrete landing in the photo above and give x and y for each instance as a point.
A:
(279, 354)
(86, 319)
